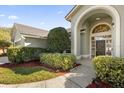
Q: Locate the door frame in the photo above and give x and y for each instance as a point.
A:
(100, 34)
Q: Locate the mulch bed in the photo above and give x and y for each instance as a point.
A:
(35, 63)
(99, 84)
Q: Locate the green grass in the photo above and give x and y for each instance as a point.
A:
(24, 75)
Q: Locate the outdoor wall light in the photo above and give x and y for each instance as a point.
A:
(98, 18)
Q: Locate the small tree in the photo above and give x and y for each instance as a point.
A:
(5, 39)
(58, 40)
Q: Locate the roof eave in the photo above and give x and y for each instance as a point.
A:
(67, 17)
(33, 36)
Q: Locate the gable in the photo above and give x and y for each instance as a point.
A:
(72, 12)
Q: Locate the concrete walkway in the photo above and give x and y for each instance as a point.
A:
(4, 60)
(77, 78)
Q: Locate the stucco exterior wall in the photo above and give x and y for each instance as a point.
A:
(120, 9)
(35, 42)
(79, 43)
(85, 41)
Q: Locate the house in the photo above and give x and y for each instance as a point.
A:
(97, 30)
(28, 36)
(23, 35)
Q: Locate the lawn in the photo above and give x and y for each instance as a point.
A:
(24, 74)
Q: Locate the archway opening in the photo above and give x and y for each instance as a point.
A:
(95, 15)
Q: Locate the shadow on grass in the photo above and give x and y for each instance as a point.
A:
(27, 70)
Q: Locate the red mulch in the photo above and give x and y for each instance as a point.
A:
(99, 84)
(35, 63)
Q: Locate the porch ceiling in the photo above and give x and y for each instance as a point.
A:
(92, 18)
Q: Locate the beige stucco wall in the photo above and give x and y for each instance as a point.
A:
(82, 45)
(120, 9)
(35, 42)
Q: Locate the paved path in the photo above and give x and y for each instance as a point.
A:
(78, 78)
(4, 60)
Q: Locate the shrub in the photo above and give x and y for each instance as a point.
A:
(58, 40)
(110, 69)
(58, 61)
(23, 54)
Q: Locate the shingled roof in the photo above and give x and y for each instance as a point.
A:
(28, 30)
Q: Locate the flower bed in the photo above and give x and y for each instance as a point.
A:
(30, 71)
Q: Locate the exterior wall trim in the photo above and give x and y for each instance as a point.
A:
(71, 12)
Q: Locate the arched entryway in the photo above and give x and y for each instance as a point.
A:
(82, 30)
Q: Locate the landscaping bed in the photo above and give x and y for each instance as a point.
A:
(109, 70)
(26, 72)
(97, 83)
(34, 63)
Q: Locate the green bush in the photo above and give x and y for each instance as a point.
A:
(58, 40)
(58, 61)
(110, 69)
(23, 54)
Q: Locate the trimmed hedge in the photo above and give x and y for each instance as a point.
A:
(23, 54)
(58, 60)
(110, 69)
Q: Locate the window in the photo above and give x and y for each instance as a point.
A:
(101, 28)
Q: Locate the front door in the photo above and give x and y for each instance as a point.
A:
(100, 47)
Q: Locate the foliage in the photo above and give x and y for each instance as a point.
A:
(4, 44)
(58, 61)
(5, 39)
(5, 34)
(110, 69)
(58, 40)
(23, 54)
(24, 75)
